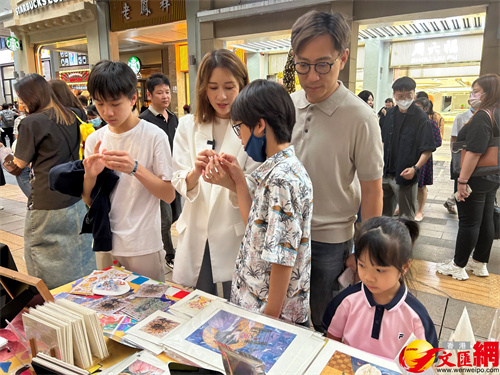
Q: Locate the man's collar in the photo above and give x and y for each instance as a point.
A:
(327, 106)
(155, 112)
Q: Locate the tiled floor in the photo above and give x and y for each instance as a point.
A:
(443, 297)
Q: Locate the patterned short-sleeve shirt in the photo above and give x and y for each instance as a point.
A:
(278, 231)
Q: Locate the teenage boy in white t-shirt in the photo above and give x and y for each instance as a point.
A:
(139, 153)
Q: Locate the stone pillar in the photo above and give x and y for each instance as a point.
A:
(26, 56)
(348, 74)
(491, 42)
(194, 50)
(168, 62)
(377, 75)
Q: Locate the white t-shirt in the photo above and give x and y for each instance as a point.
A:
(135, 212)
(460, 120)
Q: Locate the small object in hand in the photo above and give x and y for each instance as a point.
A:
(467, 189)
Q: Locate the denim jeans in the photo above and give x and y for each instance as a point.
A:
(23, 180)
(327, 263)
(53, 248)
(475, 226)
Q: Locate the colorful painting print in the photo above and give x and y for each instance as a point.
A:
(140, 308)
(159, 327)
(198, 303)
(139, 367)
(263, 342)
(344, 364)
(151, 290)
(110, 322)
(126, 324)
(108, 305)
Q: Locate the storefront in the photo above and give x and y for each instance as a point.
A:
(58, 38)
(154, 34)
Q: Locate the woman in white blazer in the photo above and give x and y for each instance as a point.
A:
(210, 227)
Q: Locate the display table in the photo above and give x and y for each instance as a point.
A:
(188, 325)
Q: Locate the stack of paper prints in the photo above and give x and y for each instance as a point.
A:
(339, 359)
(274, 342)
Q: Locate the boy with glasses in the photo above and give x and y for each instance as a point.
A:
(337, 138)
(408, 143)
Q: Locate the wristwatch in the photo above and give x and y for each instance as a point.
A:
(416, 168)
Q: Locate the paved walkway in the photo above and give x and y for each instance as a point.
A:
(443, 297)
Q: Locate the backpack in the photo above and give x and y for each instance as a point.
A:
(8, 119)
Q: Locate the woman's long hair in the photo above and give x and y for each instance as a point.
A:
(38, 97)
(63, 93)
(490, 83)
(220, 58)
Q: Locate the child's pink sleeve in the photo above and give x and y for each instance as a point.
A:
(338, 322)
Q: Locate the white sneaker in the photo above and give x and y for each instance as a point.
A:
(477, 268)
(449, 268)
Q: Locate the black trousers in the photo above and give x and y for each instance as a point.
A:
(475, 228)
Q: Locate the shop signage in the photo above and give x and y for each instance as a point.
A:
(35, 4)
(74, 76)
(135, 64)
(437, 51)
(12, 43)
(130, 14)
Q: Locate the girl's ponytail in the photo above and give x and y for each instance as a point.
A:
(412, 227)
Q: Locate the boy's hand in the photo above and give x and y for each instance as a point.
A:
(230, 164)
(202, 160)
(94, 164)
(119, 161)
(215, 174)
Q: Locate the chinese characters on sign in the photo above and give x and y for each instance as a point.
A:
(126, 11)
(485, 355)
(164, 4)
(145, 8)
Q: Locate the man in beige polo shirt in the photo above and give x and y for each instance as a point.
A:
(337, 138)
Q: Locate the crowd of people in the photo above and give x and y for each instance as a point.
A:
(247, 164)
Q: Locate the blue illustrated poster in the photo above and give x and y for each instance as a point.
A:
(263, 342)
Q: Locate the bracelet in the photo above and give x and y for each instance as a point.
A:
(135, 169)
(416, 168)
(462, 182)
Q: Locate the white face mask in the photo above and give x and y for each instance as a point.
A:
(404, 104)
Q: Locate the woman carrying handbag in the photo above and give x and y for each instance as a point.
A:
(475, 191)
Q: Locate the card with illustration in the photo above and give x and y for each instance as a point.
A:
(155, 327)
(85, 287)
(273, 342)
(111, 287)
(142, 363)
(140, 308)
(151, 290)
(109, 323)
(194, 302)
(338, 359)
(108, 305)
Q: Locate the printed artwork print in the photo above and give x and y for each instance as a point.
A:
(159, 327)
(344, 364)
(263, 342)
(139, 367)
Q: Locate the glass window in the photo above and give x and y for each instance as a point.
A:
(8, 72)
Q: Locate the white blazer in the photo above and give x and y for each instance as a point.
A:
(211, 212)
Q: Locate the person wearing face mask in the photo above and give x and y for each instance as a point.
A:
(408, 143)
(476, 194)
(94, 118)
(460, 120)
(273, 268)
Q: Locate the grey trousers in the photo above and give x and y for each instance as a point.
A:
(403, 195)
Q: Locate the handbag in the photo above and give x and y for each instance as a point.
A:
(489, 162)
(10, 166)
